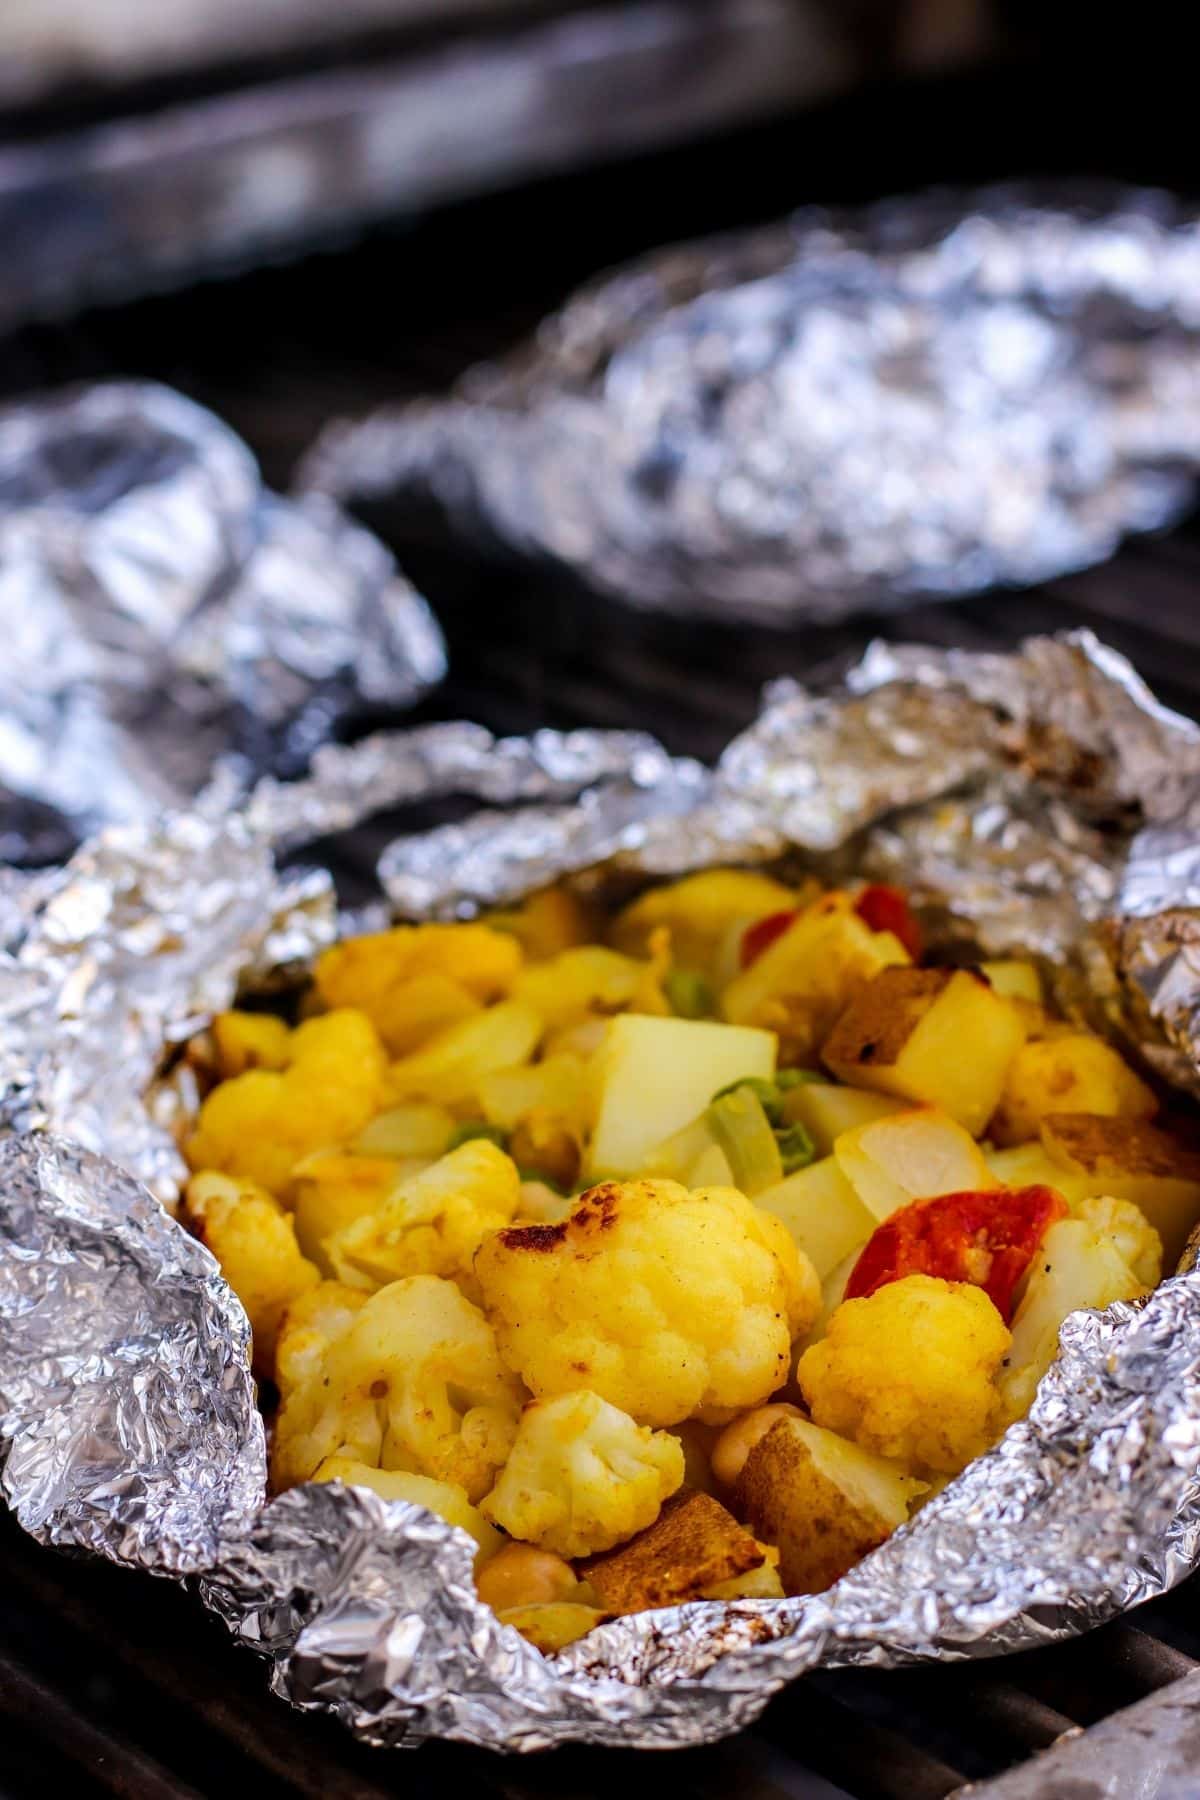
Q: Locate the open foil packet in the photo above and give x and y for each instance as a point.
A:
(1040, 800)
(166, 616)
(931, 396)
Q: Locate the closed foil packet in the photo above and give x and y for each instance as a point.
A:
(1039, 801)
(931, 396)
(166, 617)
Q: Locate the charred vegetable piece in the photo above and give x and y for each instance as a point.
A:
(987, 1238)
(693, 1545)
(1132, 1160)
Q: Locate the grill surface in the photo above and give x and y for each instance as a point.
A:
(117, 1684)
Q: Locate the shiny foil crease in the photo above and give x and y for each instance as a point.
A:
(1042, 800)
(933, 396)
(164, 613)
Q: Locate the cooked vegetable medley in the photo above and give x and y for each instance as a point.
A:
(674, 1256)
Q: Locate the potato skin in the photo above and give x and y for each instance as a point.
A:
(694, 1544)
(819, 1530)
(1075, 1072)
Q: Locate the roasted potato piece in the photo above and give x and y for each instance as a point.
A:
(912, 1155)
(669, 1304)
(1131, 1160)
(1031, 1165)
(824, 1502)
(1075, 1267)
(654, 1076)
(738, 1439)
(374, 973)
(254, 1241)
(431, 1223)
(1076, 1072)
(699, 912)
(1014, 980)
(823, 1212)
(582, 1476)
(909, 1372)
(444, 1498)
(693, 1546)
(935, 1035)
(802, 981)
(545, 924)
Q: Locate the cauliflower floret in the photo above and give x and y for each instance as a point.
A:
(246, 1040)
(591, 980)
(433, 1222)
(254, 1241)
(669, 1304)
(444, 1498)
(259, 1125)
(417, 979)
(310, 1324)
(1130, 1232)
(909, 1372)
(701, 912)
(414, 1382)
(582, 1476)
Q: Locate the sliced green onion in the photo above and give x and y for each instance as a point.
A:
(689, 995)
(476, 1128)
(796, 1149)
(764, 1090)
(740, 1125)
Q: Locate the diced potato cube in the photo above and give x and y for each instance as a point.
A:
(698, 911)
(545, 924)
(822, 1500)
(692, 1545)
(445, 1498)
(1078, 1072)
(656, 1075)
(583, 982)
(826, 1109)
(911, 1155)
(801, 982)
(822, 1211)
(1031, 1165)
(419, 1129)
(1132, 1161)
(937, 1035)
(1075, 1267)
(247, 1040)
(555, 1084)
(451, 1067)
(332, 1190)
(1014, 980)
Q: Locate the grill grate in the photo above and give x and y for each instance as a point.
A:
(116, 1684)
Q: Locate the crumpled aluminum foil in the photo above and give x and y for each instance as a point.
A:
(932, 396)
(163, 612)
(124, 1397)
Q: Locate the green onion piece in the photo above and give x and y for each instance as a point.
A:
(689, 995)
(741, 1127)
(786, 1079)
(796, 1148)
(476, 1128)
(766, 1091)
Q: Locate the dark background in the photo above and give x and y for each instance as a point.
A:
(114, 1683)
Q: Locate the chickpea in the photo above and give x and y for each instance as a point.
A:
(738, 1439)
(521, 1575)
(541, 1142)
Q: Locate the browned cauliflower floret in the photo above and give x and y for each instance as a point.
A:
(669, 1304)
(259, 1125)
(413, 1382)
(582, 1476)
(910, 1371)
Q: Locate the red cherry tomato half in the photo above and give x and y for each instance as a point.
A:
(987, 1237)
(887, 909)
(762, 934)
